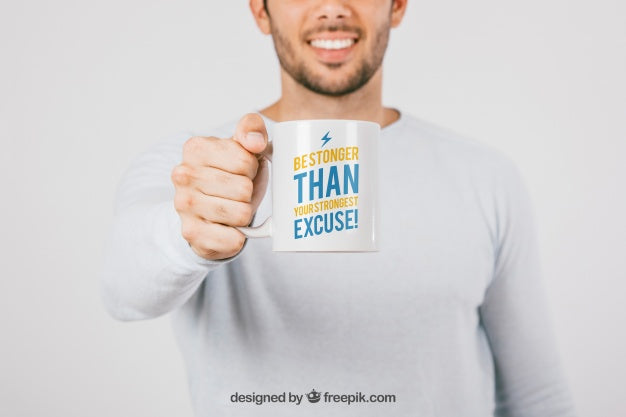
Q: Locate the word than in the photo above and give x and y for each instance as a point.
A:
(324, 183)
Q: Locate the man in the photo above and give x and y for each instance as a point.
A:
(447, 319)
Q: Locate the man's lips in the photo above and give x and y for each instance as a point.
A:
(325, 37)
(333, 47)
(330, 44)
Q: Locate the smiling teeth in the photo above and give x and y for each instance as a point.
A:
(332, 43)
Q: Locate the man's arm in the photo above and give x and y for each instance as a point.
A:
(173, 215)
(149, 268)
(529, 381)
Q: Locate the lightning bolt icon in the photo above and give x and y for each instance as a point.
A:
(326, 138)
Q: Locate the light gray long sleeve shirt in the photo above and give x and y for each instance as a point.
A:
(447, 319)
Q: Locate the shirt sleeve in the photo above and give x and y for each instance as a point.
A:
(149, 269)
(529, 380)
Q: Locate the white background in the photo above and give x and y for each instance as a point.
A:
(85, 86)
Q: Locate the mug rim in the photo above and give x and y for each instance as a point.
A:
(297, 121)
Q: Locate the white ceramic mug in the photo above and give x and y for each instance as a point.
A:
(324, 186)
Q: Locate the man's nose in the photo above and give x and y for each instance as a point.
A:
(333, 9)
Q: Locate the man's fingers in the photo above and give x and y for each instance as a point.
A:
(211, 240)
(251, 133)
(214, 209)
(223, 154)
(216, 182)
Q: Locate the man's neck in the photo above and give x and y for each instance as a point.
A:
(297, 102)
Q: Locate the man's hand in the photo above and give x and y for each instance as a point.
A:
(219, 184)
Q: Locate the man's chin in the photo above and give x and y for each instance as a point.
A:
(331, 79)
(334, 65)
(337, 87)
(331, 90)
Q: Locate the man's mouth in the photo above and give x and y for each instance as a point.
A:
(333, 47)
(332, 44)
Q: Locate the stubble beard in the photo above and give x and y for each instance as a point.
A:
(316, 83)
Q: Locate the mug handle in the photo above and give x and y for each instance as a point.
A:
(264, 229)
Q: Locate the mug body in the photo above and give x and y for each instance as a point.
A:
(325, 185)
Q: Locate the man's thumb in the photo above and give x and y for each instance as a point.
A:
(251, 133)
